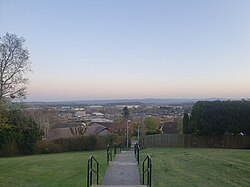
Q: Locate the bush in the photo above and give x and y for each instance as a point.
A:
(220, 117)
(47, 146)
(78, 143)
(9, 149)
(18, 133)
(157, 131)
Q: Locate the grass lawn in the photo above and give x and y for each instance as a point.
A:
(199, 167)
(62, 169)
(171, 167)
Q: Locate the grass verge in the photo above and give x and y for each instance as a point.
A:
(199, 167)
(62, 169)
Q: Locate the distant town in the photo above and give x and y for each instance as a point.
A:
(60, 120)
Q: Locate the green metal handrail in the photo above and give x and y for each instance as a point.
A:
(91, 170)
(147, 170)
(137, 152)
(109, 154)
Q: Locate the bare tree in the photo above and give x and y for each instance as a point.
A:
(14, 63)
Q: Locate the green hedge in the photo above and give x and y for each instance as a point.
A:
(217, 118)
(79, 143)
(18, 133)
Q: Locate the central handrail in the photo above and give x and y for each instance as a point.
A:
(91, 170)
(109, 154)
(137, 152)
(148, 169)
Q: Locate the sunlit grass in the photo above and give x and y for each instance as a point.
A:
(171, 167)
(62, 169)
(199, 167)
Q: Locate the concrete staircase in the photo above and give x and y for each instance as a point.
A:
(120, 186)
(122, 172)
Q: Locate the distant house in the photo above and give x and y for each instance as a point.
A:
(59, 133)
(80, 113)
(97, 129)
(70, 124)
(65, 132)
(98, 114)
(169, 127)
(107, 124)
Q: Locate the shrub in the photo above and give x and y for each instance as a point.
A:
(18, 133)
(157, 131)
(78, 143)
(220, 117)
(47, 146)
(9, 149)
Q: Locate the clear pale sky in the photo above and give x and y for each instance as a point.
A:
(133, 48)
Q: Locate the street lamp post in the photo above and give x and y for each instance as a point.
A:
(127, 132)
(138, 134)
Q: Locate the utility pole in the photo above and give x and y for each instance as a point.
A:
(138, 134)
(127, 132)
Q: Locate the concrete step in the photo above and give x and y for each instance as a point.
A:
(123, 163)
(119, 186)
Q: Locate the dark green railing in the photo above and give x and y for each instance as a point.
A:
(137, 152)
(121, 147)
(91, 170)
(109, 154)
(115, 148)
(147, 170)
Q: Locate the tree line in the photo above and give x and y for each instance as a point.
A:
(218, 118)
(18, 132)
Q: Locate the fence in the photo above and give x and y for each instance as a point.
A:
(186, 140)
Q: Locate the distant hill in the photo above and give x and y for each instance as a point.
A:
(125, 101)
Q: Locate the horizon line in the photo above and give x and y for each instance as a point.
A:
(120, 99)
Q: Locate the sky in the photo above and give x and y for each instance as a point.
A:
(109, 49)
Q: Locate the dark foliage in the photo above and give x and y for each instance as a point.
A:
(18, 134)
(78, 143)
(221, 117)
(157, 131)
(125, 113)
(186, 124)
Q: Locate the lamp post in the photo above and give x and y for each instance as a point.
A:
(138, 134)
(127, 132)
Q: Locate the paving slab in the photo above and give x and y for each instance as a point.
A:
(123, 171)
(120, 186)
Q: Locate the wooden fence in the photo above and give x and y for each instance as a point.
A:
(180, 140)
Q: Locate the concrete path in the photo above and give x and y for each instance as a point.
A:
(121, 186)
(123, 170)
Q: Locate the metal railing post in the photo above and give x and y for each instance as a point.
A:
(148, 170)
(115, 149)
(150, 175)
(91, 170)
(143, 172)
(107, 154)
(88, 175)
(97, 175)
(137, 152)
(138, 155)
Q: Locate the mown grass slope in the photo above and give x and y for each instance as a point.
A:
(171, 167)
(62, 169)
(199, 167)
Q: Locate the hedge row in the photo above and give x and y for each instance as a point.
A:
(80, 143)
